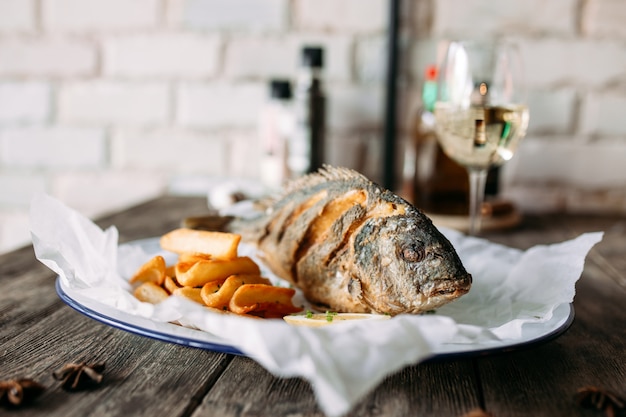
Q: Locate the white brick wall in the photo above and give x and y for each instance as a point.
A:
(582, 62)
(52, 148)
(14, 229)
(175, 150)
(605, 18)
(370, 60)
(255, 57)
(361, 16)
(355, 107)
(247, 15)
(97, 192)
(111, 102)
(603, 114)
(552, 111)
(99, 15)
(17, 188)
(571, 162)
(487, 17)
(104, 103)
(17, 15)
(25, 102)
(54, 56)
(167, 55)
(220, 105)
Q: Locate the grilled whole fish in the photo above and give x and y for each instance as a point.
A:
(352, 246)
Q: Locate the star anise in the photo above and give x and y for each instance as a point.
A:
(600, 399)
(78, 376)
(16, 392)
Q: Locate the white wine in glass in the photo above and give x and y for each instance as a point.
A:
(480, 113)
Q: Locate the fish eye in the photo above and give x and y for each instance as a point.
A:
(413, 252)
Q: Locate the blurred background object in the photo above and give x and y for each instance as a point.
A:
(107, 103)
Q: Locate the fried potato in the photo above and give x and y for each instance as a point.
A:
(193, 257)
(190, 293)
(170, 284)
(199, 273)
(170, 271)
(213, 286)
(218, 244)
(152, 271)
(150, 292)
(217, 294)
(210, 272)
(264, 300)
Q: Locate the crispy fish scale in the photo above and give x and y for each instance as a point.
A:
(321, 227)
(280, 246)
(334, 253)
(375, 266)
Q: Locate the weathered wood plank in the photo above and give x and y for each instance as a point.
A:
(441, 388)
(142, 376)
(246, 389)
(154, 217)
(39, 334)
(543, 381)
(446, 388)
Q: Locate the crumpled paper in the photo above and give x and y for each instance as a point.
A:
(512, 289)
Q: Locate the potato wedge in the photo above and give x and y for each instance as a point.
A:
(199, 273)
(264, 300)
(150, 292)
(170, 271)
(193, 257)
(151, 271)
(190, 293)
(170, 284)
(217, 244)
(218, 296)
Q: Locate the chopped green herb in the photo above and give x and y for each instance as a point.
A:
(309, 314)
(330, 315)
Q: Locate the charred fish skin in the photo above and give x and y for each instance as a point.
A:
(352, 246)
(409, 267)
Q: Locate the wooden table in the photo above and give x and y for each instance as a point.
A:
(39, 334)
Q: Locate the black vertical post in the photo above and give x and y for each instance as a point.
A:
(389, 149)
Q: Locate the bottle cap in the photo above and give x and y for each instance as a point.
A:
(280, 89)
(429, 89)
(313, 56)
(430, 73)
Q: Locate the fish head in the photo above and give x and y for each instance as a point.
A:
(405, 265)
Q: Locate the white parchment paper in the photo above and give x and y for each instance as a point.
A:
(343, 362)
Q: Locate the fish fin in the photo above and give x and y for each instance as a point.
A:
(323, 175)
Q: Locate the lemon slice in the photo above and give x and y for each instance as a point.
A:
(324, 319)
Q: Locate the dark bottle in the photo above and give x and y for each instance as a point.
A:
(307, 146)
(433, 182)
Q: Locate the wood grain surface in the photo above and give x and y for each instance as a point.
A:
(145, 377)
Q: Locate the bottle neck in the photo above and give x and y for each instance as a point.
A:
(429, 95)
(310, 78)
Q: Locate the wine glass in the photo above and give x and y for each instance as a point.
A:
(480, 113)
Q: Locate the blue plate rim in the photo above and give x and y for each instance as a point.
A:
(229, 349)
(141, 331)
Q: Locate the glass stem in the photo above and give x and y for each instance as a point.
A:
(477, 178)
